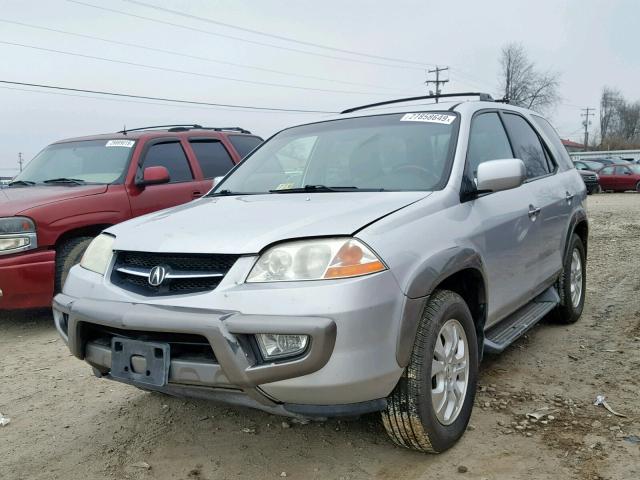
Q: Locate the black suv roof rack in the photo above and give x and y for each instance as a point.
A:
(484, 97)
(182, 127)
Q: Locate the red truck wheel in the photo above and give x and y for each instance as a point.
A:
(69, 254)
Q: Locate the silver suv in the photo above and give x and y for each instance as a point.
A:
(358, 264)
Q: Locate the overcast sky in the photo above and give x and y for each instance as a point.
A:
(591, 42)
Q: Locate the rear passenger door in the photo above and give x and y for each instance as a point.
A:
(181, 188)
(552, 198)
(212, 156)
(624, 178)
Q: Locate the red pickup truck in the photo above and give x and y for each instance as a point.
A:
(75, 188)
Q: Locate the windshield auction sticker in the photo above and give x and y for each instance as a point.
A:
(429, 117)
(120, 143)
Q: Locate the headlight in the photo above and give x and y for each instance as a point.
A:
(98, 254)
(17, 234)
(315, 260)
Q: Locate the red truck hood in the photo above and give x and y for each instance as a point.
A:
(16, 200)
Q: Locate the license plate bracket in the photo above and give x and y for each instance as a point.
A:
(140, 362)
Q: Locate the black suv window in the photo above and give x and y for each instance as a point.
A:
(171, 156)
(487, 141)
(527, 146)
(244, 143)
(213, 157)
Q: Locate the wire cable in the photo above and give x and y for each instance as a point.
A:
(272, 35)
(187, 72)
(164, 99)
(240, 39)
(187, 55)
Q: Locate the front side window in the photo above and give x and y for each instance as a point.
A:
(384, 152)
(527, 146)
(621, 170)
(487, 141)
(212, 156)
(171, 156)
(90, 161)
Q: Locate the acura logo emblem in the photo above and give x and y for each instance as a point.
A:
(157, 275)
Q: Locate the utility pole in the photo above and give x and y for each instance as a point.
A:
(587, 113)
(437, 81)
(20, 161)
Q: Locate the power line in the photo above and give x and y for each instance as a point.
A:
(271, 35)
(144, 97)
(187, 55)
(187, 72)
(240, 39)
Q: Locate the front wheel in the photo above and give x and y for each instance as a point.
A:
(572, 283)
(67, 255)
(430, 407)
(638, 187)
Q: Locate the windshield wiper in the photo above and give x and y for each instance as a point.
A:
(76, 181)
(324, 188)
(27, 183)
(226, 193)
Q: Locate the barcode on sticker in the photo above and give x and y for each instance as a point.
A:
(120, 143)
(428, 117)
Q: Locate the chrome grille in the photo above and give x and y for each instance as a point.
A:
(182, 273)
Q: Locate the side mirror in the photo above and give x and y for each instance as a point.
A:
(498, 175)
(216, 180)
(155, 176)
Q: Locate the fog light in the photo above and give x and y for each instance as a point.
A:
(273, 345)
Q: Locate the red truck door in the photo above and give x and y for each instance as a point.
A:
(182, 186)
(625, 178)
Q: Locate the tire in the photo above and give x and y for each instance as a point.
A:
(69, 254)
(569, 310)
(638, 187)
(597, 189)
(411, 419)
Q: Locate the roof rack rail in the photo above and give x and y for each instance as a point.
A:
(484, 97)
(182, 127)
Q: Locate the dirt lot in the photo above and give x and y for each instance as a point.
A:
(67, 424)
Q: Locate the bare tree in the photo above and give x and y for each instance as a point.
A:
(523, 84)
(619, 121)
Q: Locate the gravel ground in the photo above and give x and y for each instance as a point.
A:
(67, 424)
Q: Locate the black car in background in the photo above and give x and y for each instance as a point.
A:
(587, 170)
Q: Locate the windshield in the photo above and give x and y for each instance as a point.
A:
(385, 152)
(91, 161)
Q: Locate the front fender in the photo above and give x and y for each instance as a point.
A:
(421, 283)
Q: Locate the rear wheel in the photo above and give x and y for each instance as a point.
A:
(572, 283)
(69, 254)
(430, 407)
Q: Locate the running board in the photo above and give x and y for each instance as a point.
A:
(507, 331)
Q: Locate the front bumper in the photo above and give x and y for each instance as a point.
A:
(349, 367)
(26, 280)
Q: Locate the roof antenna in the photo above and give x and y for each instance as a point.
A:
(124, 130)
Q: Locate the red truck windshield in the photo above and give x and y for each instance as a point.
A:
(91, 161)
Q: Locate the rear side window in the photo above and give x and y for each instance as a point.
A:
(171, 156)
(213, 157)
(527, 146)
(244, 143)
(559, 151)
(487, 141)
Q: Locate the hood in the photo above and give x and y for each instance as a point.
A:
(16, 200)
(247, 223)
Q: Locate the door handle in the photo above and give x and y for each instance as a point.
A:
(197, 194)
(533, 212)
(568, 197)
